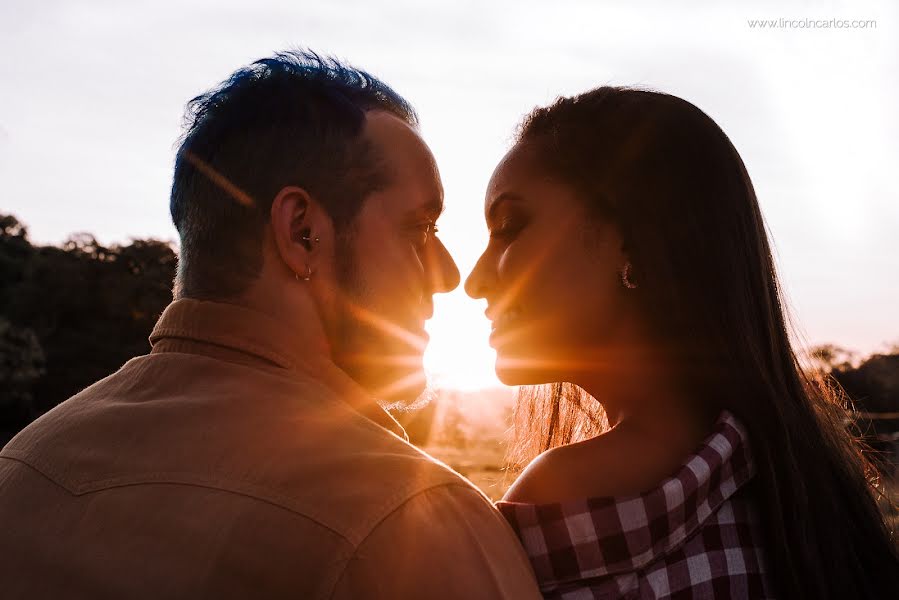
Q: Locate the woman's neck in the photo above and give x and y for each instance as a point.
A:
(646, 393)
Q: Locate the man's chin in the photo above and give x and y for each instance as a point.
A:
(407, 390)
(394, 387)
(410, 402)
(391, 371)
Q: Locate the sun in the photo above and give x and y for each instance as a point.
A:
(458, 356)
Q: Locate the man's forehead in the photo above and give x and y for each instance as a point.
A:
(382, 122)
(408, 156)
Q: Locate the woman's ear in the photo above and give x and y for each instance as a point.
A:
(300, 226)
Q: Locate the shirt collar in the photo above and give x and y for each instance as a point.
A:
(196, 326)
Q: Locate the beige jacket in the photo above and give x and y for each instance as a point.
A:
(230, 462)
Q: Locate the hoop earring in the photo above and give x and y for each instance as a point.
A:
(306, 276)
(626, 276)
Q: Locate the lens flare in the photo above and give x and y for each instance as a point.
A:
(219, 179)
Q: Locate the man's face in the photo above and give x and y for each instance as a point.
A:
(391, 266)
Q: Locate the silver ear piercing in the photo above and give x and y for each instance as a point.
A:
(308, 240)
(626, 276)
(306, 276)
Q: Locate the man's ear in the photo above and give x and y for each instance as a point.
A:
(299, 227)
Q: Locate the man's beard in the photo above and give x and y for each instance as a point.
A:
(366, 353)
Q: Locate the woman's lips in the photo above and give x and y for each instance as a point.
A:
(502, 324)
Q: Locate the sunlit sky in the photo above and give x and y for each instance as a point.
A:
(92, 94)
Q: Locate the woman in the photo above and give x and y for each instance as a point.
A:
(628, 259)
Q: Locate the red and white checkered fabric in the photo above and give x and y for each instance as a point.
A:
(694, 536)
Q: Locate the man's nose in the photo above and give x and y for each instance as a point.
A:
(442, 272)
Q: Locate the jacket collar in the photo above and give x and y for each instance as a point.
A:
(202, 327)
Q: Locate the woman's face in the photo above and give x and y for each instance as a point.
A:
(550, 275)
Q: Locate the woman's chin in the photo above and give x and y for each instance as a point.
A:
(514, 371)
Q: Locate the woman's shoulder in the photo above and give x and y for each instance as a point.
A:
(598, 520)
(603, 466)
(621, 462)
(539, 482)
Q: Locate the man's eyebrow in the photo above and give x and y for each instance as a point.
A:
(504, 197)
(433, 208)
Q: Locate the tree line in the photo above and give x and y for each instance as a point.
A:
(72, 314)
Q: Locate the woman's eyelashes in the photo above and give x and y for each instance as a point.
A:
(507, 227)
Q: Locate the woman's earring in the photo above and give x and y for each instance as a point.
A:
(626, 276)
(306, 276)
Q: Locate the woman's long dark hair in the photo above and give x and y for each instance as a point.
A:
(670, 178)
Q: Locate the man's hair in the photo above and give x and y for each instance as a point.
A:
(293, 119)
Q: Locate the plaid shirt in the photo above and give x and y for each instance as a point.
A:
(693, 536)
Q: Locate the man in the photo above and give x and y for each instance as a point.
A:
(245, 456)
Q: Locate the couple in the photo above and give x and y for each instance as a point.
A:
(248, 456)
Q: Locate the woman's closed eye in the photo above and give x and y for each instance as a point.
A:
(507, 228)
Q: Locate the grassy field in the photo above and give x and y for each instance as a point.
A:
(468, 431)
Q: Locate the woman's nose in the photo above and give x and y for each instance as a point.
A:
(476, 285)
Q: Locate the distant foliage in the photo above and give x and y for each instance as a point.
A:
(71, 315)
(872, 386)
(21, 365)
(872, 383)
